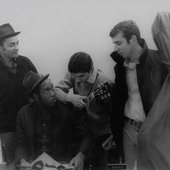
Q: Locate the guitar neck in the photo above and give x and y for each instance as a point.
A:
(99, 92)
(90, 97)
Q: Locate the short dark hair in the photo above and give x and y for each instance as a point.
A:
(128, 28)
(80, 62)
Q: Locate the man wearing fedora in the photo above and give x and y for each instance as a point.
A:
(47, 125)
(13, 67)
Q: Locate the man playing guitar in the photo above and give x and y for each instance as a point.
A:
(90, 93)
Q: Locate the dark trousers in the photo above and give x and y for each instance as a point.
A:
(98, 157)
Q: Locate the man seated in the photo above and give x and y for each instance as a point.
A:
(47, 125)
(84, 79)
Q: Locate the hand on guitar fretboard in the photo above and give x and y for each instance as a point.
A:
(102, 93)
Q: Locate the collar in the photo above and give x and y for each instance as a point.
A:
(11, 66)
(117, 57)
(92, 77)
(130, 65)
(142, 58)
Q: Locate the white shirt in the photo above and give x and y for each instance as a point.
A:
(133, 107)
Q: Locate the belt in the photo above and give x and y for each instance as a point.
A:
(134, 123)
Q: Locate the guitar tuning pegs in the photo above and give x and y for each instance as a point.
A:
(102, 93)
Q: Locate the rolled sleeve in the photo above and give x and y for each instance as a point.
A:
(63, 87)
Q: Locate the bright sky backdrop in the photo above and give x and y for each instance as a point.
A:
(52, 30)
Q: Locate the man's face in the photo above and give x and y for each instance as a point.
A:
(123, 47)
(47, 94)
(81, 77)
(10, 47)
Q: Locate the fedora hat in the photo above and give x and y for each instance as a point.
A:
(7, 31)
(31, 80)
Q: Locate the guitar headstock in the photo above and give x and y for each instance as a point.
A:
(102, 93)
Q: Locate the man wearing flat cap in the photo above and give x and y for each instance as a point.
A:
(48, 125)
(13, 67)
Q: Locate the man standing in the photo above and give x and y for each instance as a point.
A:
(47, 125)
(12, 94)
(139, 77)
(84, 79)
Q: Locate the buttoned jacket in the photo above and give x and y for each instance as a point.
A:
(68, 131)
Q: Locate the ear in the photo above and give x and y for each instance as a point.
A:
(133, 39)
(92, 69)
(35, 97)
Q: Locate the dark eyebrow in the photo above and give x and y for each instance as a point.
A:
(81, 75)
(12, 43)
(117, 42)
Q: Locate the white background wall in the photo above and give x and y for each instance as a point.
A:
(52, 30)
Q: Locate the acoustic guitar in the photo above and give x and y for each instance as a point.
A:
(101, 94)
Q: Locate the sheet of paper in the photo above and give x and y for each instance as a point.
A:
(46, 162)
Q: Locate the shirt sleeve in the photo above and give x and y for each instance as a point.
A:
(63, 87)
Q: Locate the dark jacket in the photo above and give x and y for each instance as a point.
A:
(12, 93)
(68, 133)
(151, 73)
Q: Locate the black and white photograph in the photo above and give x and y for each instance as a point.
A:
(84, 85)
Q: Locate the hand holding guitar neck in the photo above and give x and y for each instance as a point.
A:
(101, 93)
